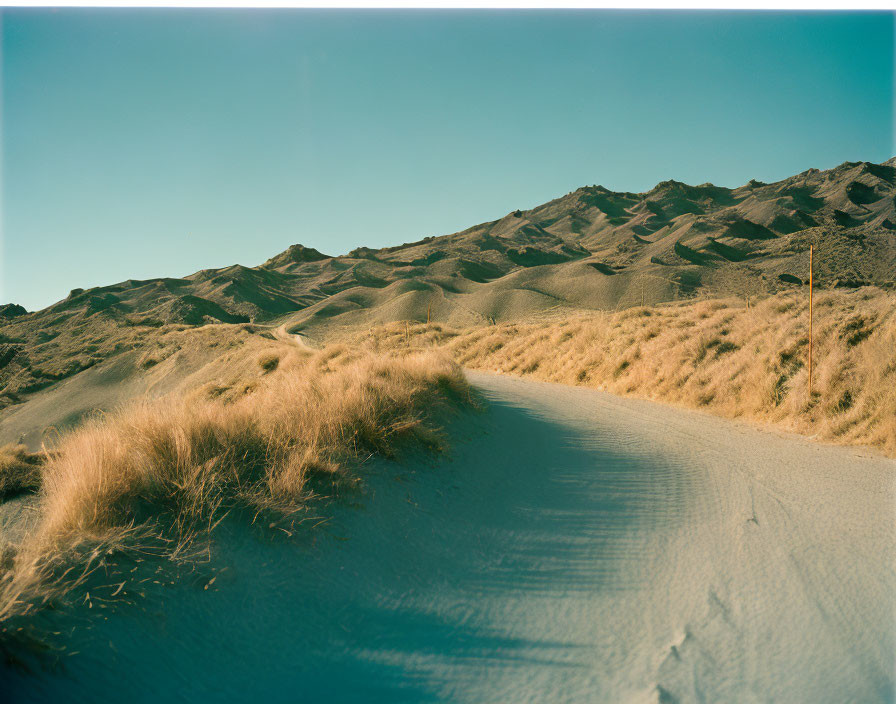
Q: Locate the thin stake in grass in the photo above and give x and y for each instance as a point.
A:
(811, 249)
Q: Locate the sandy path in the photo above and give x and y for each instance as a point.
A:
(302, 341)
(575, 546)
(755, 566)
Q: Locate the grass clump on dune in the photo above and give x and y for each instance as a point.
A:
(153, 475)
(19, 470)
(713, 354)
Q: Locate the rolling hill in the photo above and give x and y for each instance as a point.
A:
(590, 249)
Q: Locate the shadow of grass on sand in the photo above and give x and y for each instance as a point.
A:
(410, 594)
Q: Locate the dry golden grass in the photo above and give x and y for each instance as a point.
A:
(153, 475)
(711, 354)
(19, 470)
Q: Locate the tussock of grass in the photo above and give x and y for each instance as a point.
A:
(155, 474)
(269, 362)
(713, 354)
(19, 470)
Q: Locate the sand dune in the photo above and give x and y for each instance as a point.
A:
(576, 547)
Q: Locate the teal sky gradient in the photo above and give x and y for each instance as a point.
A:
(142, 143)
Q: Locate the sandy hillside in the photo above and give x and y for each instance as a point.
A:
(576, 546)
(214, 360)
(590, 249)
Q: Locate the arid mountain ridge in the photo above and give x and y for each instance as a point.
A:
(674, 232)
(590, 249)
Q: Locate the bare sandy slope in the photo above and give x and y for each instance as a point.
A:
(168, 361)
(576, 546)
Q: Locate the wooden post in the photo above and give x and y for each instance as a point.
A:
(428, 312)
(407, 333)
(811, 283)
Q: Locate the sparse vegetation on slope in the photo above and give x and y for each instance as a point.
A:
(153, 475)
(714, 354)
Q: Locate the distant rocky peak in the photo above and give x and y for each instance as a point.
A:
(296, 253)
(11, 310)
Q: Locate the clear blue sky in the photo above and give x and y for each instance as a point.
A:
(142, 143)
